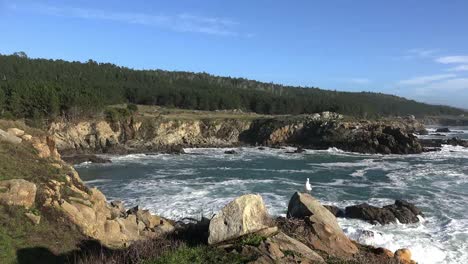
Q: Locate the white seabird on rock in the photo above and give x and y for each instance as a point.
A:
(308, 187)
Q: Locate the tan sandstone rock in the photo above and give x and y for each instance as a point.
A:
(403, 255)
(246, 214)
(35, 219)
(148, 219)
(129, 227)
(326, 234)
(45, 147)
(17, 192)
(288, 244)
(7, 137)
(26, 137)
(280, 248)
(16, 132)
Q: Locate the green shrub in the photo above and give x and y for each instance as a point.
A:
(251, 240)
(198, 255)
(114, 115)
(132, 108)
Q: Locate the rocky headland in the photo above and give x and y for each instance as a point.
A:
(160, 134)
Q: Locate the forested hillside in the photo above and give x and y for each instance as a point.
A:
(39, 88)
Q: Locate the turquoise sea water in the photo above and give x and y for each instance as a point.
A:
(204, 180)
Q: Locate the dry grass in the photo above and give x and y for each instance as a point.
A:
(187, 114)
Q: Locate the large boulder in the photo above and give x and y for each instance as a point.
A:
(325, 233)
(8, 137)
(403, 211)
(17, 192)
(245, 215)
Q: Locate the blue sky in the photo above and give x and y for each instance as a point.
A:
(416, 49)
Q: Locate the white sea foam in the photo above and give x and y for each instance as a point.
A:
(204, 180)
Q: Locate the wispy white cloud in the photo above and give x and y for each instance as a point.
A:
(452, 91)
(449, 85)
(423, 53)
(183, 22)
(359, 80)
(453, 60)
(421, 80)
(459, 68)
(418, 53)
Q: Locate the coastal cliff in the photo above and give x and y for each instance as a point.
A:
(146, 135)
(318, 131)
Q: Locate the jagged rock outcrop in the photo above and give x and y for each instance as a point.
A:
(325, 233)
(17, 192)
(90, 212)
(402, 211)
(65, 194)
(385, 137)
(244, 215)
(317, 131)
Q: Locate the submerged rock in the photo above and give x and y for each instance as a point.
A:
(245, 215)
(325, 233)
(231, 151)
(443, 130)
(77, 159)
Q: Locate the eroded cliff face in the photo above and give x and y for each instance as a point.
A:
(146, 135)
(316, 131)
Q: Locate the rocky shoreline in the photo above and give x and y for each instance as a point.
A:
(243, 228)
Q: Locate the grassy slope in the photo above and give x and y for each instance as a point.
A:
(20, 240)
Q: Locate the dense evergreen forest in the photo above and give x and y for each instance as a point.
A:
(41, 88)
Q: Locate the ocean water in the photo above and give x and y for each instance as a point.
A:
(204, 180)
(460, 132)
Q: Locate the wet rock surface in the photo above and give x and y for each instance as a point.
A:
(403, 211)
(431, 144)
